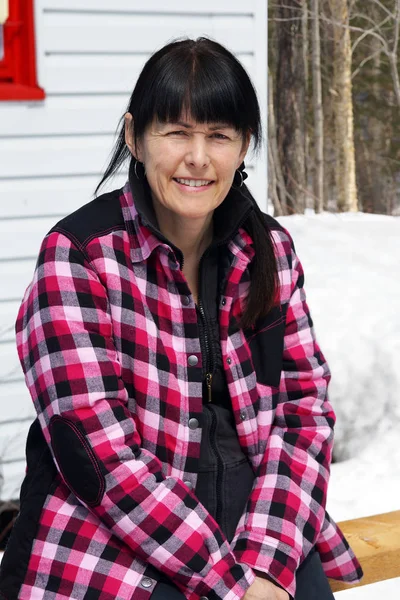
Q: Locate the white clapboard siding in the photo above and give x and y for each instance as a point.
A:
(13, 437)
(16, 402)
(35, 157)
(79, 115)
(22, 238)
(64, 32)
(99, 74)
(13, 474)
(57, 196)
(15, 277)
(10, 368)
(154, 6)
(8, 315)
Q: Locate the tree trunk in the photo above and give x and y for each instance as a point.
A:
(276, 183)
(318, 112)
(346, 187)
(289, 103)
(305, 97)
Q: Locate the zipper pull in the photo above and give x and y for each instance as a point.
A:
(209, 382)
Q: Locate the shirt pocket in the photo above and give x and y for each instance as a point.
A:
(265, 340)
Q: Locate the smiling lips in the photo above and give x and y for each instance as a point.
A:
(193, 183)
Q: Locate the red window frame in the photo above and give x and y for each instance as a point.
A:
(18, 80)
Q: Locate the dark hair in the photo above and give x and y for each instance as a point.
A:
(202, 78)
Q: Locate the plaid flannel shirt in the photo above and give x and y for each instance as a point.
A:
(106, 344)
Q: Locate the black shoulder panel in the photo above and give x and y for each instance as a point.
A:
(98, 217)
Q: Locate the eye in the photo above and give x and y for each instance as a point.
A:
(179, 132)
(219, 136)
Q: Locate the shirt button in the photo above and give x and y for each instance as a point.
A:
(146, 582)
(185, 300)
(203, 598)
(243, 416)
(193, 423)
(223, 301)
(192, 360)
(229, 360)
(188, 484)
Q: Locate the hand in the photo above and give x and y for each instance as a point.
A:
(262, 589)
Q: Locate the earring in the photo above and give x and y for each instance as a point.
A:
(239, 172)
(135, 170)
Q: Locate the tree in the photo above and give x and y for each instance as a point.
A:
(318, 111)
(346, 188)
(290, 103)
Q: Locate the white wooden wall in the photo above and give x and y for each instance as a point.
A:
(89, 54)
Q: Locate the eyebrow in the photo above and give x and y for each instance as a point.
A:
(212, 128)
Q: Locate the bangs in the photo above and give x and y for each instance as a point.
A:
(201, 94)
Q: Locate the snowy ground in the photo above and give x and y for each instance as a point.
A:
(351, 263)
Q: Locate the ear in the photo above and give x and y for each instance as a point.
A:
(130, 136)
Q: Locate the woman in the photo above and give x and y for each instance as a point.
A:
(183, 439)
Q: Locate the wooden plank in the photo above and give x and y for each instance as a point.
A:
(57, 196)
(104, 33)
(55, 156)
(152, 6)
(21, 238)
(8, 315)
(13, 474)
(376, 543)
(10, 368)
(65, 115)
(17, 275)
(16, 401)
(13, 439)
(98, 74)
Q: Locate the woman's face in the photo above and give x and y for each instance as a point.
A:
(189, 166)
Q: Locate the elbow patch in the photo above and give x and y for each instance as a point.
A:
(76, 460)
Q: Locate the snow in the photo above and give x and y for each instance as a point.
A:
(351, 264)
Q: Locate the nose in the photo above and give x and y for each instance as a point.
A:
(197, 153)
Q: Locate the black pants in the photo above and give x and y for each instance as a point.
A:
(311, 581)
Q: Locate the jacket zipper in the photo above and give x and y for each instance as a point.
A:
(220, 466)
(208, 346)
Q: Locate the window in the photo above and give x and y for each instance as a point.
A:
(18, 59)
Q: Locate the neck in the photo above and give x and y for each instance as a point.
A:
(191, 236)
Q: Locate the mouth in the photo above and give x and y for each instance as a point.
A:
(194, 183)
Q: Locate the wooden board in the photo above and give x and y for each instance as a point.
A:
(65, 33)
(376, 543)
(8, 315)
(76, 115)
(13, 439)
(21, 238)
(103, 73)
(152, 6)
(13, 474)
(55, 156)
(52, 196)
(10, 368)
(16, 402)
(15, 275)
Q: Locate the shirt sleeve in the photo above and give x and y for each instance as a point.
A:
(286, 508)
(65, 345)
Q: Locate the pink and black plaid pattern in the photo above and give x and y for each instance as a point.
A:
(104, 339)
